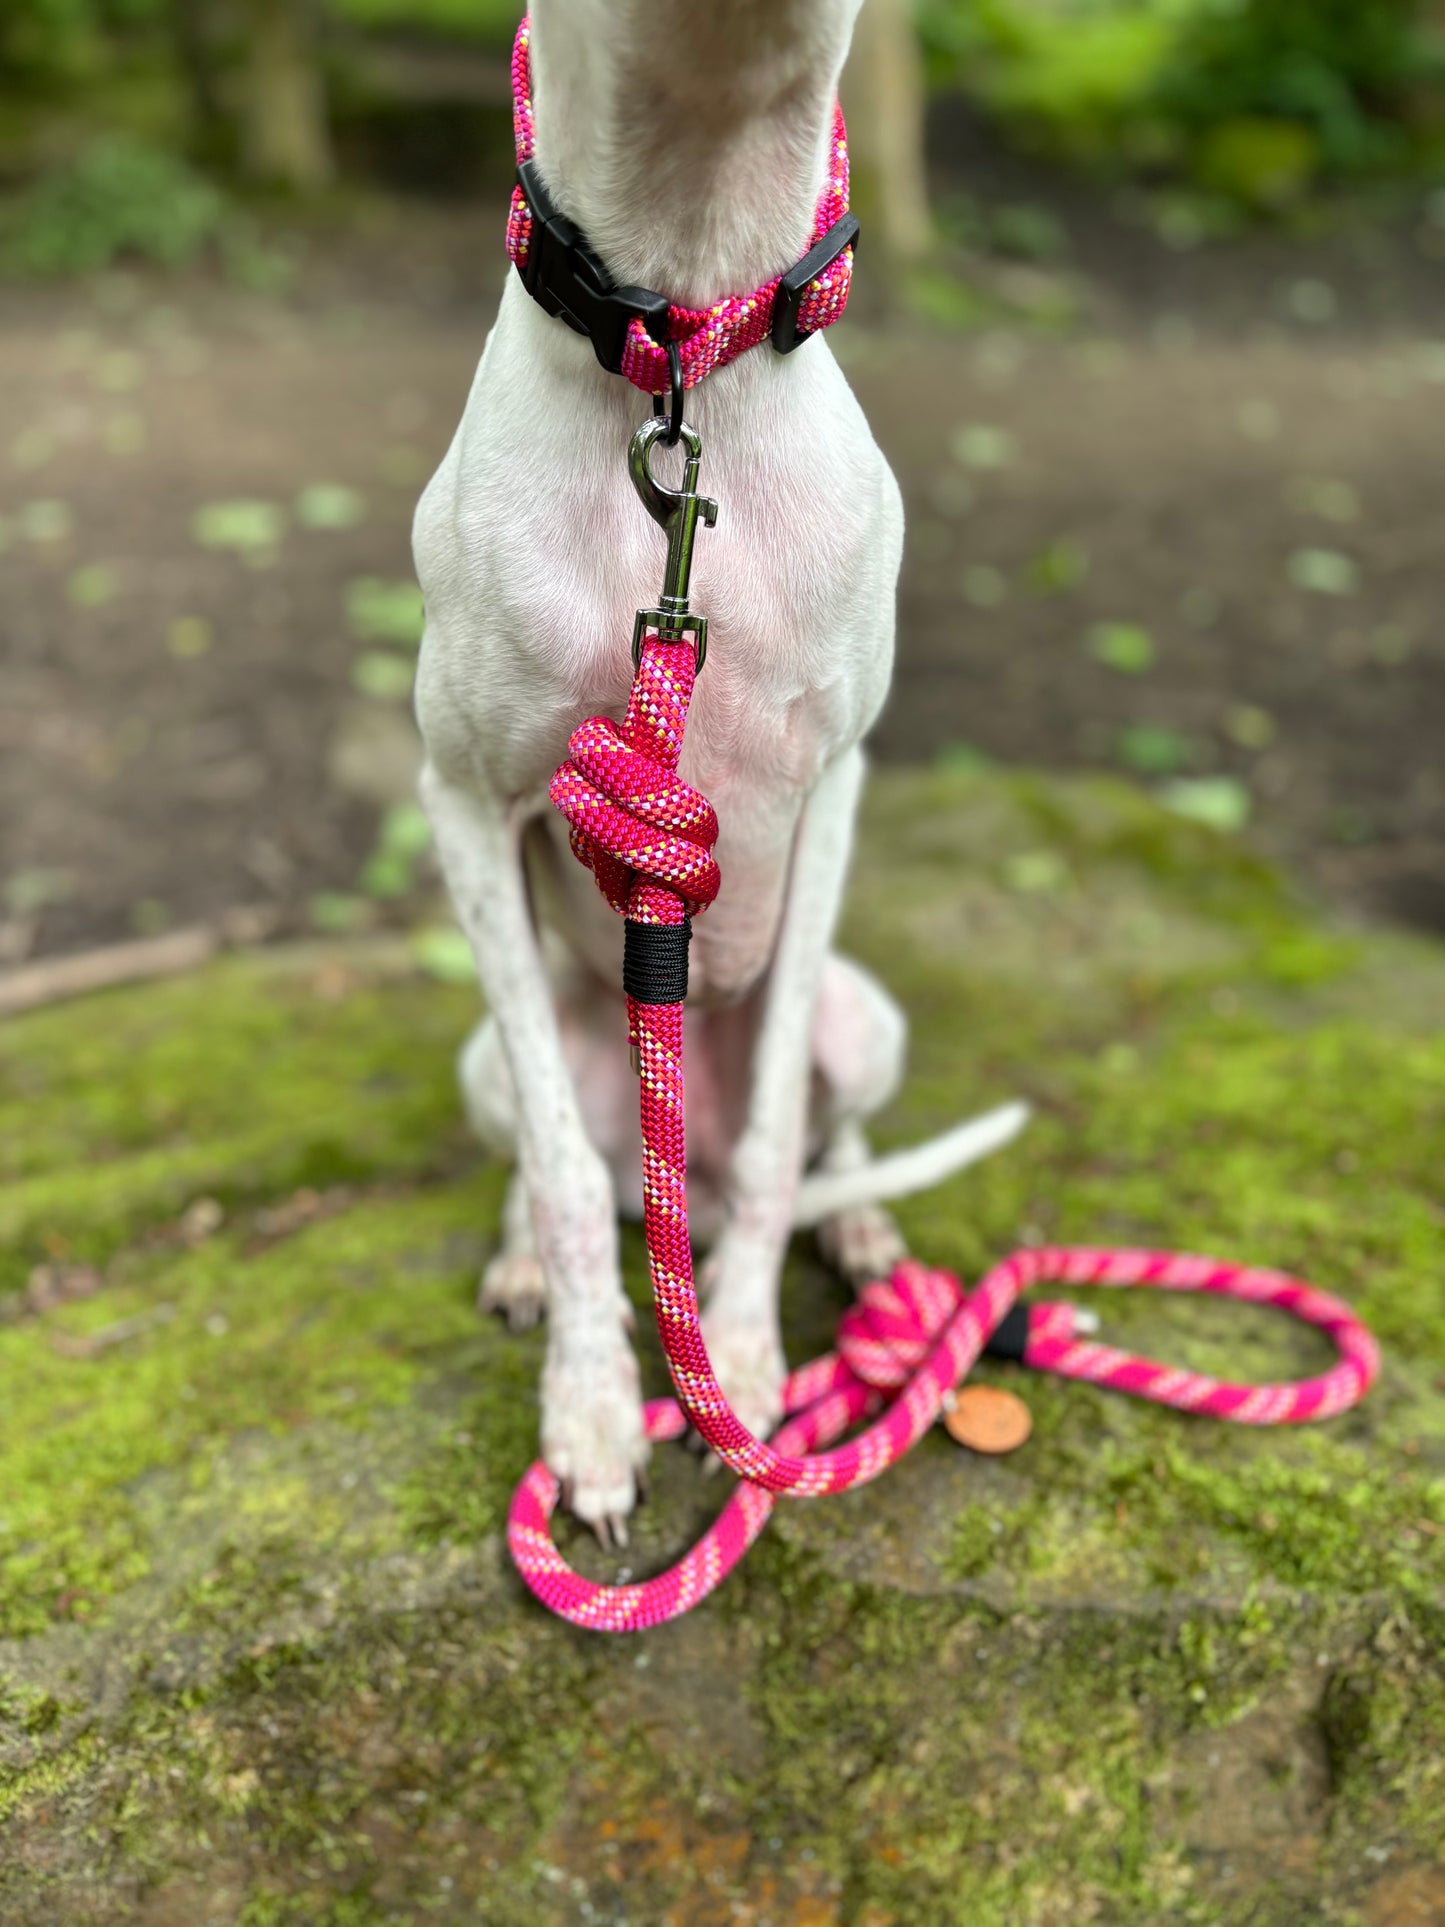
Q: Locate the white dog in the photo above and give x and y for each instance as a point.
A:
(689, 144)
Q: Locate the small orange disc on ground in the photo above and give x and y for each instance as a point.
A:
(986, 1418)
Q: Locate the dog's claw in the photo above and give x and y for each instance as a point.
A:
(513, 1286)
(593, 1435)
(611, 1532)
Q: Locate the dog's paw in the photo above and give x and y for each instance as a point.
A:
(593, 1437)
(513, 1285)
(747, 1360)
(862, 1243)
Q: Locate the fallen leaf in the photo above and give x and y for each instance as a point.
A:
(443, 952)
(29, 890)
(1311, 301)
(1123, 646)
(1036, 872)
(406, 830)
(188, 637)
(981, 445)
(1250, 726)
(1220, 802)
(46, 521)
(984, 586)
(330, 505)
(405, 835)
(91, 586)
(963, 759)
(387, 677)
(1153, 750)
(1258, 419)
(1059, 567)
(248, 526)
(337, 912)
(382, 611)
(118, 371)
(1334, 500)
(1323, 572)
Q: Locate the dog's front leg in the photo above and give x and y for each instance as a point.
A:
(592, 1435)
(742, 1274)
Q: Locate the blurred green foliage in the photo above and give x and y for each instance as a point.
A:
(117, 198)
(492, 22)
(66, 40)
(1071, 73)
(1348, 76)
(69, 39)
(1250, 103)
(1253, 99)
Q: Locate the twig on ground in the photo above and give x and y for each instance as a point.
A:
(56, 978)
(92, 1344)
(51, 980)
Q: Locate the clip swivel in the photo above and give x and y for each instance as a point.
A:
(678, 511)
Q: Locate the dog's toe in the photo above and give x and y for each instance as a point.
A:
(513, 1286)
(862, 1244)
(594, 1439)
(603, 1500)
(748, 1364)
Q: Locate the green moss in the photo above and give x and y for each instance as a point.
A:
(242, 1083)
(265, 1662)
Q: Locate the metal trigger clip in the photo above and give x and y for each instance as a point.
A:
(678, 511)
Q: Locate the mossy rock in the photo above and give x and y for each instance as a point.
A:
(265, 1662)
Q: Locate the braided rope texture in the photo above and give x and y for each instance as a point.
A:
(647, 837)
(707, 338)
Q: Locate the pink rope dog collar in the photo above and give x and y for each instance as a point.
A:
(705, 338)
(647, 836)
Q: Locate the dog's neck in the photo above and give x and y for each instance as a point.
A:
(688, 141)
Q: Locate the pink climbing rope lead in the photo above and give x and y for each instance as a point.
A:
(884, 1334)
(647, 836)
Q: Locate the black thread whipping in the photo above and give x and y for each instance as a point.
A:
(1009, 1337)
(654, 961)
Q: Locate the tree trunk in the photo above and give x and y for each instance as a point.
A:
(191, 35)
(286, 138)
(883, 97)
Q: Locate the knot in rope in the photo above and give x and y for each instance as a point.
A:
(887, 1333)
(633, 818)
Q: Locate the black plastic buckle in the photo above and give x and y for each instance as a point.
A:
(843, 234)
(565, 277)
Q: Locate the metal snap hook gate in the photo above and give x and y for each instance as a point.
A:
(678, 511)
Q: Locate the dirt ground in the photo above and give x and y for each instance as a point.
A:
(1189, 530)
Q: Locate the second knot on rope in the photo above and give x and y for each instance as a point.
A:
(634, 819)
(884, 1337)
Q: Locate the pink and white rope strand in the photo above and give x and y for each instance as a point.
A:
(911, 1338)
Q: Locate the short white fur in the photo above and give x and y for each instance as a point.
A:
(689, 142)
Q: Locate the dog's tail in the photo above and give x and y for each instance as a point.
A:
(822, 1193)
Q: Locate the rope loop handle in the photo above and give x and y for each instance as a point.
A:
(919, 1311)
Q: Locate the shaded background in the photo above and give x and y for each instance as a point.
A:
(1149, 323)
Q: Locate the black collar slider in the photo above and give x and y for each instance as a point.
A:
(567, 279)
